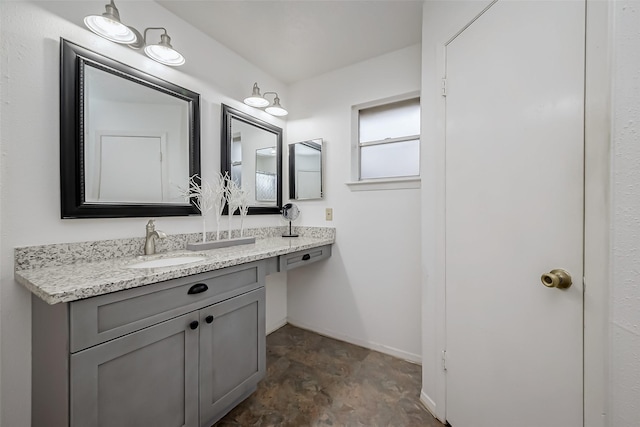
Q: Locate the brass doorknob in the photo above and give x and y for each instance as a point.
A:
(557, 278)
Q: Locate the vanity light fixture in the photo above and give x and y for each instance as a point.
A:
(163, 52)
(109, 26)
(276, 109)
(259, 101)
(256, 100)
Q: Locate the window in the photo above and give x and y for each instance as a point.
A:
(388, 140)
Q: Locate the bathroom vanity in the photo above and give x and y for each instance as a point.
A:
(115, 344)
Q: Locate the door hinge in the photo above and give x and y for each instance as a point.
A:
(444, 360)
(444, 87)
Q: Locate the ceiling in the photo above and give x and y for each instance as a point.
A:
(294, 40)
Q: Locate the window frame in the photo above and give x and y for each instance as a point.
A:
(356, 183)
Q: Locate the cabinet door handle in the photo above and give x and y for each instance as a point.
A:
(306, 257)
(197, 288)
(194, 324)
(208, 319)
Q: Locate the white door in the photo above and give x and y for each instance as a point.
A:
(514, 210)
(136, 177)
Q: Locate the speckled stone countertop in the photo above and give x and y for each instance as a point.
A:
(57, 280)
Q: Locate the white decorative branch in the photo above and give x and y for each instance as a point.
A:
(219, 196)
(207, 196)
(243, 199)
(233, 193)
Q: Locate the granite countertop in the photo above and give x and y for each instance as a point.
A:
(73, 281)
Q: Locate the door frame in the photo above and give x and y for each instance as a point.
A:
(597, 124)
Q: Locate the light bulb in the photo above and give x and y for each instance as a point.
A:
(276, 111)
(255, 101)
(110, 29)
(164, 55)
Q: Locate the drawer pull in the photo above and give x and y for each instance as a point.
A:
(197, 288)
(208, 319)
(194, 324)
(306, 257)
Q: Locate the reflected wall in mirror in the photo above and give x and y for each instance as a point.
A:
(129, 141)
(305, 170)
(251, 154)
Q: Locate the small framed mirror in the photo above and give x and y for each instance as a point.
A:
(251, 154)
(305, 170)
(129, 141)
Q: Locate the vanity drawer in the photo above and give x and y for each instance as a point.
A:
(103, 318)
(302, 258)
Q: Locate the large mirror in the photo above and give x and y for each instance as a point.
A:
(129, 141)
(305, 170)
(251, 154)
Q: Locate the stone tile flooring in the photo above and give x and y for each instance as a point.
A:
(317, 381)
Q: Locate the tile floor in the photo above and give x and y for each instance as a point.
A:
(317, 381)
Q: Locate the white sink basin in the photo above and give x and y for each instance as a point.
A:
(167, 262)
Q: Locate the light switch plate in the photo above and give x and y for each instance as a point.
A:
(329, 214)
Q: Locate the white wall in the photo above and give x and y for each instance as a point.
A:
(29, 177)
(276, 301)
(625, 292)
(368, 292)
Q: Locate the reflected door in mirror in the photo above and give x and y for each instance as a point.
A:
(135, 143)
(136, 177)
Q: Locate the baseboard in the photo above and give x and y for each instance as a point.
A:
(276, 326)
(428, 403)
(400, 354)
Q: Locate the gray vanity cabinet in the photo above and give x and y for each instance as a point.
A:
(155, 377)
(147, 378)
(182, 352)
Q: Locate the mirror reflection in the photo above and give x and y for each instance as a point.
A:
(251, 154)
(305, 170)
(136, 142)
(266, 177)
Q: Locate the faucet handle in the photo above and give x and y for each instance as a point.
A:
(151, 223)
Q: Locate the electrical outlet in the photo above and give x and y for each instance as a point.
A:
(329, 214)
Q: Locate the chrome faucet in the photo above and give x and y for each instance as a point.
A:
(152, 235)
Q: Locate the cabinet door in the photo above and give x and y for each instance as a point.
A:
(232, 353)
(147, 378)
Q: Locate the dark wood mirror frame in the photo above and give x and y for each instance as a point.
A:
(72, 174)
(228, 114)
